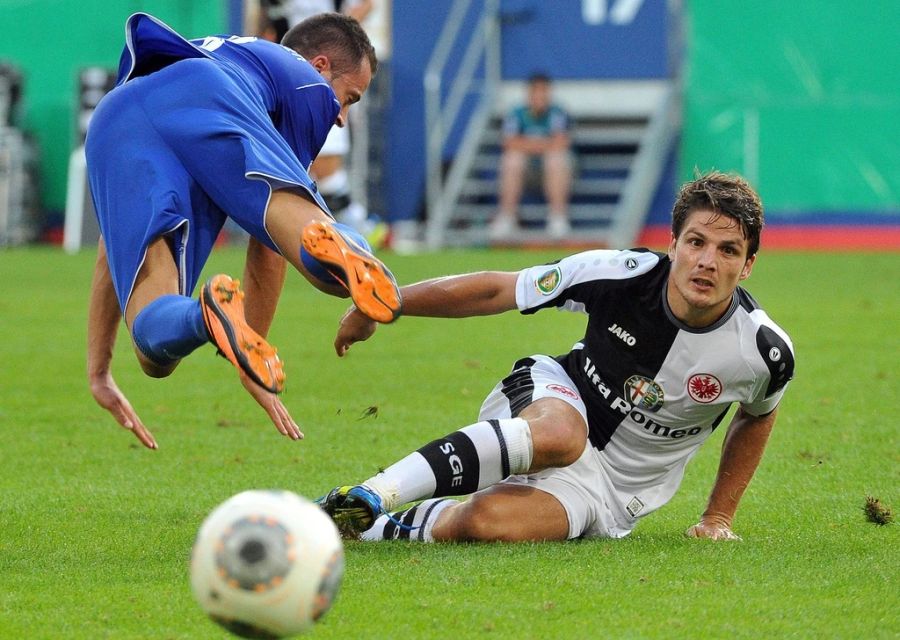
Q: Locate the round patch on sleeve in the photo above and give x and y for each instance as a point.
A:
(549, 281)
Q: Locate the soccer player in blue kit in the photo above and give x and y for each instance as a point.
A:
(587, 443)
(197, 131)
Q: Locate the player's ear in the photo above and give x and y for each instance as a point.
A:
(321, 63)
(748, 267)
(672, 247)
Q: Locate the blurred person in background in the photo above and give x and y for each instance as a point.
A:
(274, 18)
(536, 148)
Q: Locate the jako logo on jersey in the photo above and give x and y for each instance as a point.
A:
(548, 282)
(623, 335)
(631, 264)
(563, 391)
(456, 465)
(704, 387)
(617, 403)
(644, 393)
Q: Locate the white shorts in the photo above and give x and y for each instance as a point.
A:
(337, 143)
(583, 487)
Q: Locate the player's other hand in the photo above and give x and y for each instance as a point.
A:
(355, 327)
(273, 406)
(711, 530)
(107, 394)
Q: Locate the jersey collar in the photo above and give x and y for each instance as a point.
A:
(683, 327)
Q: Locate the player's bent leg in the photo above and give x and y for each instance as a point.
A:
(372, 286)
(158, 277)
(296, 224)
(504, 513)
(548, 433)
(558, 433)
(166, 326)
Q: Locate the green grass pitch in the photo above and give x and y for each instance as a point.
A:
(95, 531)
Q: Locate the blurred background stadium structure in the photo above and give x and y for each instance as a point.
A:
(801, 98)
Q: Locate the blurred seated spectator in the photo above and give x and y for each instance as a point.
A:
(536, 148)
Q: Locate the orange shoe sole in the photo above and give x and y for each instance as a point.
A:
(371, 285)
(222, 302)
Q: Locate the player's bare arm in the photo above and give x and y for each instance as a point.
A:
(103, 323)
(461, 296)
(264, 275)
(742, 450)
(472, 294)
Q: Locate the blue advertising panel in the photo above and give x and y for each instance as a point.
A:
(585, 39)
(567, 39)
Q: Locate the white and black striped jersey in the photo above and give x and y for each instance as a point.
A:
(655, 388)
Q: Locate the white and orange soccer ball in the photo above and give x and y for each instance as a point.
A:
(267, 564)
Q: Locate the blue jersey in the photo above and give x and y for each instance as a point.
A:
(299, 101)
(195, 132)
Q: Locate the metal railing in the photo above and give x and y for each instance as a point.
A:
(646, 170)
(441, 114)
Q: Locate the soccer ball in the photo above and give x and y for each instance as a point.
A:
(266, 564)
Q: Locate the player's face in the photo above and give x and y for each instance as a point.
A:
(709, 259)
(349, 88)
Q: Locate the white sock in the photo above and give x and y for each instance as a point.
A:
(461, 463)
(415, 523)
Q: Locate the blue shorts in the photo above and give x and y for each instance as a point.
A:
(175, 152)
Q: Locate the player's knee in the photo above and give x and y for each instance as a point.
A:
(566, 445)
(155, 369)
(558, 439)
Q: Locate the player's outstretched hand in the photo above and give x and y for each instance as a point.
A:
(273, 406)
(107, 394)
(712, 531)
(355, 327)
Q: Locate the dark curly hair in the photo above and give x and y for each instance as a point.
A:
(724, 194)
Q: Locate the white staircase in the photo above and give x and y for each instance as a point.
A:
(621, 134)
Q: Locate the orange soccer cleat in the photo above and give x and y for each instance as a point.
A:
(222, 302)
(371, 285)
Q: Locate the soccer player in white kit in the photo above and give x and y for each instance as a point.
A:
(587, 443)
